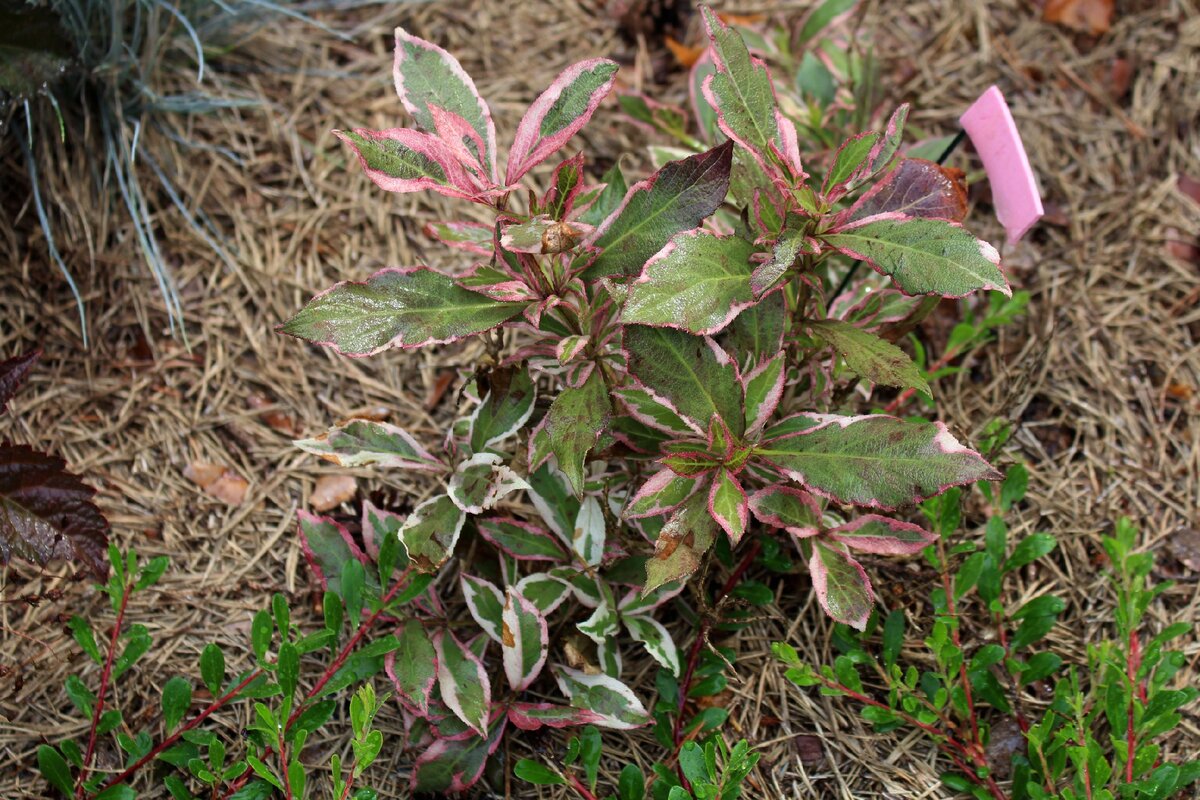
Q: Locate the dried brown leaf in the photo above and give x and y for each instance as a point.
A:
(1088, 16)
(332, 491)
(218, 481)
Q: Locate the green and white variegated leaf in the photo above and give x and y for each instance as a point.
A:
(643, 407)
(486, 604)
(590, 532)
(872, 533)
(787, 507)
(551, 494)
(689, 374)
(504, 410)
(842, 586)
(763, 390)
(657, 641)
(613, 701)
(431, 531)
(577, 418)
(728, 504)
(463, 681)
(875, 461)
(586, 589)
(481, 481)
(364, 442)
(474, 237)
(545, 591)
(685, 537)
(377, 525)
(871, 357)
(412, 667)
(396, 308)
(429, 80)
(521, 540)
(525, 640)
(699, 282)
(608, 656)
(634, 602)
(787, 248)
(403, 160)
(677, 198)
(604, 621)
(664, 491)
(923, 256)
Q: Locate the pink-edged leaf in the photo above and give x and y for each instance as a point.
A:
(664, 491)
(412, 667)
(565, 186)
(863, 156)
(486, 604)
(570, 347)
(396, 308)
(544, 590)
(559, 113)
(328, 547)
(463, 681)
(787, 507)
(427, 77)
(875, 461)
(377, 525)
(686, 536)
(455, 765)
(763, 388)
(480, 482)
(577, 418)
(12, 374)
(463, 141)
(884, 536)
(915, 188)
(614, 702)
(498, 285)
(923, 256)
(474, 237)
(677, 198)
(842, 586)
(523, 541)
(365, 442)
(431, 532)
(403, 160)
(525, 640)
(690, 463)
(741, 92)
(46, 512)
(702, 110)
(532, 716)
(653, 412)
(698, 282)
(870, 356)
(885, 149)
(728, 505)
(543, 235)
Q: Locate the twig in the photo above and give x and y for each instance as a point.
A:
(105, 677)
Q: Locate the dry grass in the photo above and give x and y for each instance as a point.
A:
(1114, 325)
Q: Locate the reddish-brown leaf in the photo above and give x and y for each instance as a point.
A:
(276, 419)
(917, 188)
(12, 374)
(47, 513)
(1186, 183)
(332, 491)
(1089, 16)
(223, 484)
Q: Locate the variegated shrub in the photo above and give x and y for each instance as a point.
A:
(669, 368)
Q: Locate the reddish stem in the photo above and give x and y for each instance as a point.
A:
(105, 677)
(1133, 662)
(170, 740)
(578, 786)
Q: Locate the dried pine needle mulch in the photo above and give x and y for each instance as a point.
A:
(1097, 377)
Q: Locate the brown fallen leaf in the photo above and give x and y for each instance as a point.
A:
(218, 481)
(1120, 76)
(1189, 186)
(332, 491)
(1184, 545)
(686, 55)
(1182, 247)
(1088, 16)
(810, 749)
(275, 419)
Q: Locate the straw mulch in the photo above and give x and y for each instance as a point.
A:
(1101, 378)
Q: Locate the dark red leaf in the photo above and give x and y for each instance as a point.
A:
(916, 188)
(13, 372)
(47, 513)
(1089, 16)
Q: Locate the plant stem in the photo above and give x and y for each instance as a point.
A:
(105, 677)
(170, 740)
(578, 786)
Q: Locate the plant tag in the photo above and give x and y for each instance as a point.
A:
(990, 125)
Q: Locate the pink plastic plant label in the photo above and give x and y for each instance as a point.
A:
(990, 125)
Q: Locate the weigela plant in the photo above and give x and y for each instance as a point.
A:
(668, 370)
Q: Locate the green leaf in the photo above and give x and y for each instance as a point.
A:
(575, 421)
(118, 792)
(413, 666)
(1030, 549)
(758, 331)
(841, 584)
(656, 639)
(288, 668)
(261, 628)
(136, 645)
(690, 374)
(364, 442)
(609, 198)
(603, 695)
(728, 505)
(876, 461)
(631, 785)
(923, 256)
(847, 162)
(431, 531)
(505, 408)
(677, 198)
(176, 698)
(871, 357)
(537, 774)
(396, 308)
(698, 282)
(81, 630)
(822, 15)
(212, 668)
(54, 769)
